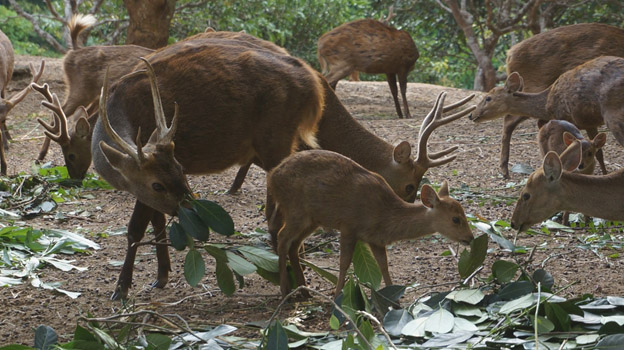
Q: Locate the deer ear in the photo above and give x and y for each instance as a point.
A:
(116, 159)
(572, 156)
(600, 140)
(429, 197)
(568, 138)
(514, 83)
(402, 152)
(82, 128)
(552, 166)
(444, 189)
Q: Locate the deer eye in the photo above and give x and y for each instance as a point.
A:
(488, 98)
(409, 189)
(158, 187)
(526, 196)
(456, 220)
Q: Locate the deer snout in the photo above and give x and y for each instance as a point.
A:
(470, 116)
(581, 166)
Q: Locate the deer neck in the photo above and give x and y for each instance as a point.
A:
(340, 132)
(531, 104)
(599, 196)
(407, 221)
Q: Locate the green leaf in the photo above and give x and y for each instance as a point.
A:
(15, 347)
(45, 338)
(213, 215)
(192, 224)
(352, 299)
(395, 320)
(586, 339)
(225, 278)
(440, 321)
(277, 337)
(504, 271)
(469, 296)
(547, 280)
(157, 341)
(239, 265)
(463, 325)
(260, 257)
(613, 341)
(471, 260)
(447, 340)
(322, 272)
(334, 323)
(515, 290)
(544, 325)
(558, 316)
(177, 236)
(415, 328)
(194, 267)
(387, 298)
(365, 265)
(518, 304)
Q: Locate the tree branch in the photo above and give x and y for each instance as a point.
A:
(53, 11)
(191, 5)
(42, 33)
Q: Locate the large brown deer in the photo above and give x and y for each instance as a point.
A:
(322, 188)
(542, 58)
(555, 187)
(588, 96)
(369, 46)
(234, 103)
(7, 63)
(84, 69)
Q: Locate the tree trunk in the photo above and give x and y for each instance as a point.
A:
(149, 22)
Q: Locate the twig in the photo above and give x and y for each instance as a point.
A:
(326, 298)
(381, 328)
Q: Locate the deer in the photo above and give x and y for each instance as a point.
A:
(224, 100)
(84, 69)
(7, 63)
(557, 51)
(322, 188)
(588, 96)
(556, 187)
(369, 46)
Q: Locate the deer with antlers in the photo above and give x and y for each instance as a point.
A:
(7, 62)
(234, 103)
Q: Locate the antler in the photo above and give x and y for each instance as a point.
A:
(135, 153)
(58, 131)
(18, 97)
(165, 134)
(432, 121)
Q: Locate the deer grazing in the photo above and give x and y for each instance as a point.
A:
(330, 191)
(555, 187)
(369, 46)
(84, 69)
(7, 62)
(557, 51)
(230, 98)
(557, 135)
(588, 96)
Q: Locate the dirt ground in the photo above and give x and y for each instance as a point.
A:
(417, 262)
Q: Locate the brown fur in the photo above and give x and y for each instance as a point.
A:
(554, 187)
(235, 103)
(541, 59)
(335, 192)
(369, 46)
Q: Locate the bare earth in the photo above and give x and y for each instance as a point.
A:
(421, 262)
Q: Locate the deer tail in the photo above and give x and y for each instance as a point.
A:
(77, 24)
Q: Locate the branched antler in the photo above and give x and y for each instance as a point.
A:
(58, 130)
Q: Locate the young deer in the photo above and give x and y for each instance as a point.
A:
(7, 62)
(369, 46)
(555, 187)
(557, 51)
(557, 135)
(588, 96)
(234, 103)
(84, 69)
(322, 188)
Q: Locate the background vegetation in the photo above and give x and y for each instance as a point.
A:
(297, 24)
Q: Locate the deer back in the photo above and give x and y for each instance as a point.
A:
(7, 62)
(561, 49)
(369, 46)
(234, 104)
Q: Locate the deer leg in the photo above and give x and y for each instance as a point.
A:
(44, 150)
(391, 78)
(347, 246)
(403, 85)
(3, 162)
(290, 237)
(509, 125)
(240, 178)
(592, 132)
(141, 217)
(162, 251)
(5, 135)
(355, 76)
(379, 252)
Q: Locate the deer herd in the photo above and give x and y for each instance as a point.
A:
(146, 118)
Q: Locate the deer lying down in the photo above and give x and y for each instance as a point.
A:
(588, 96)
(555, 187)
(322, 188)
